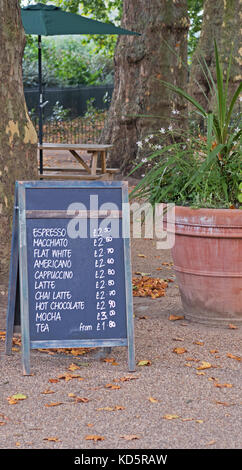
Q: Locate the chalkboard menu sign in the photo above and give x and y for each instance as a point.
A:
(71, 259)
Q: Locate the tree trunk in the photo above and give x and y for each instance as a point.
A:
(18, 149)
(140, 63)
(221, 21)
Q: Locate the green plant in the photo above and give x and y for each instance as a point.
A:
(201, 171)
(59, 113)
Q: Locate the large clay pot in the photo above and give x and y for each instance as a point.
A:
(207, 257)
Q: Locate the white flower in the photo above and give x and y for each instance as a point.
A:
(144, 160)
(240, 98)
(139, 143)
(162, 130)
(170, 127)
(175, 111)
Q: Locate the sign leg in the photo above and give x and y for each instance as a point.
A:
(13, 279)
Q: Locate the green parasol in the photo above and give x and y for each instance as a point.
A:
(49, 20)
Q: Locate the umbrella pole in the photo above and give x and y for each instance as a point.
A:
(40, 106)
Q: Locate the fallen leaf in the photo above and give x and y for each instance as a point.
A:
(49, 405)
(204, 365)
(109, 408)
(213, 351)
(68, 377)
(130, 437)
(170, 416)
(105, 408)
(179, 350)
(232, 327)
(94, 438)
(176, 317)
(238, 358)
(47, 392)
(81, 400)
(15, 398)
(127, 378)
(109, 359)
(112, 386)
(142, 256)
(211, 443)
(142, 274)
(199, 343)
(144, 363)
(153, 400)
(53, 381)
(73, 367)
(19, 396)
(51, 439)
(216, 384)
(223, 403)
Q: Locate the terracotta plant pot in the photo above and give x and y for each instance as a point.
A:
(207, 259)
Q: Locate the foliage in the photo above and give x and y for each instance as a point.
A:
(66, 62)
(102, 10)
(201, 171)
(195, 12)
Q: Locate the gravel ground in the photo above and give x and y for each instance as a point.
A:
(173, 402)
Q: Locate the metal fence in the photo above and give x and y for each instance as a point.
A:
(74, 131)
(74, 100)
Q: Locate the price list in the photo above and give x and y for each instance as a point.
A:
(105, 281)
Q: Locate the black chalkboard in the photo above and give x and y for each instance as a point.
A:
(74, 266)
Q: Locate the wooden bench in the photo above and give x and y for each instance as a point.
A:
(91, 172)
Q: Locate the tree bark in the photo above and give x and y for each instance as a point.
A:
(140, 63)
(18, 139)
(221, 22)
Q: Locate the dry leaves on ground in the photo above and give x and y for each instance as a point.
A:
(112, 386)
(50, 405)
(204, 365)
(218, 385)
(231, 356)
(144, 363)
(51, 439)
(16, 398)
(149, 287)
(179, 350)
(94, 438)
(168, 416)
(129, 437)
(111, 408)
(176, 317)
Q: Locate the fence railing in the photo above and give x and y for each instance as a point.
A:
(77, 130)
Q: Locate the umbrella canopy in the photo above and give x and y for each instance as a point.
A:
(50, 20)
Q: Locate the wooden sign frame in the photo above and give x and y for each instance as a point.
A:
(19, 272)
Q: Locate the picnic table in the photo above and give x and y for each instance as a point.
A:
(85, 171)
